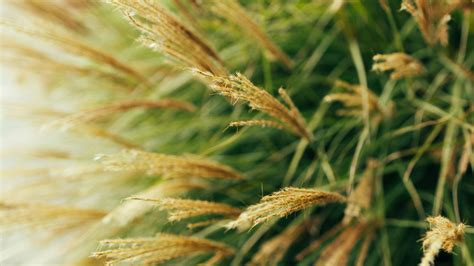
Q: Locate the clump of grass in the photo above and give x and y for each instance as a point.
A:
(416, 122)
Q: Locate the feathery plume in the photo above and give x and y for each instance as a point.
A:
(130, 210)
(272, 251)
(282, 203)
(239, 89)
(180, 209)
(46, 216)
(402, 65)
(352, 100)
(443, 235)
(432, 17)
(98, 113)
(159, 249)
(231, 10)
(163, 32)
(169, 166)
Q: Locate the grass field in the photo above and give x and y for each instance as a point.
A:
(237, 132)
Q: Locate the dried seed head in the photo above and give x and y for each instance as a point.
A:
(432, 17)
(180, 209)
(282, 203)
(443, 235)
(237, 88)
(353, 101)
(402, 65)
(98, 113)
(128, 211)
(169, 166)
(231, 10)
(163, 32)
(272, 251)
(159, 249)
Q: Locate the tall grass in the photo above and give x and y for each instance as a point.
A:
(130, 141)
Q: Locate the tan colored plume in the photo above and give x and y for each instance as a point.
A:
(402, 65)
(443, 235)
(237, 88)
(168, 166)
(159, 249)
(283, 203)
(180, 209)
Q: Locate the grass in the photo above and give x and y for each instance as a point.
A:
(376, 115)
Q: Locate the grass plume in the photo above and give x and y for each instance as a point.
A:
(180, 209)
(159, 249)
(237, 88)
(282, 203)
(168, 166)
(443, 235)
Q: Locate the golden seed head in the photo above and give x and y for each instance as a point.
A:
(180, 209)
(402, 65)
(237, 88)
(159, 249)
(443, 235)
(163, 32)
(283, 203)
(168, 166)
